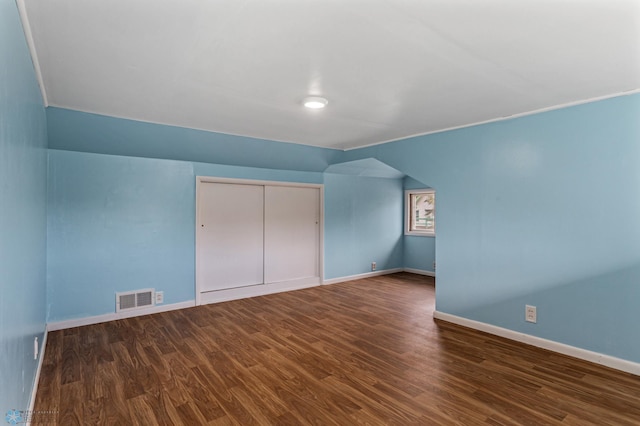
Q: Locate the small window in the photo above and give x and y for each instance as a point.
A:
(420, 212)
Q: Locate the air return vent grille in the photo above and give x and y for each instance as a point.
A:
(137, 299)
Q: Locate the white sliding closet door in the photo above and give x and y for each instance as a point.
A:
(292, 233)
(231, 239)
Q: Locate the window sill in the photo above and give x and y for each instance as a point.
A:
(420, 234)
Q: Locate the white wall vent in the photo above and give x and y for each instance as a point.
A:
(137, 299)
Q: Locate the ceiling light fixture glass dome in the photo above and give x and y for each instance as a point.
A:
(315, 102)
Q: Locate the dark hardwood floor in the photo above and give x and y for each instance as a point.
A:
(363, 352)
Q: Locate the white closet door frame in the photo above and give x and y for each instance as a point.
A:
(260, 289)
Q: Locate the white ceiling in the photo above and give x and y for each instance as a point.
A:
(390, 69)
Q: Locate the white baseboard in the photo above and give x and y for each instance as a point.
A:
(36, 379)
(226, 295)
(61, 325)
(420, 272)
(361, 276)
(584, 354)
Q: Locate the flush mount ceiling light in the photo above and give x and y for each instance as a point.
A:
(314, 102)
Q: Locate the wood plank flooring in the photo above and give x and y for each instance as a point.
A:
(364, 352)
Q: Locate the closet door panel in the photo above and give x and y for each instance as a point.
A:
(231, 240)
(292, 233)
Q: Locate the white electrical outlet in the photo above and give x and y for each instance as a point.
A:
(35, 348)
(530, 313)
(434, 265)
(373, 266)
(159, 297)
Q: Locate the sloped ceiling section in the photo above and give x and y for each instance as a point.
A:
(390, 69)
(367, 167)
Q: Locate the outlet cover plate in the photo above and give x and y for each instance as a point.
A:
(531, 314)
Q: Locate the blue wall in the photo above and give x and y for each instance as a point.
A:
(78, 131)
(234, 172)
(543, 210)
(419, 251)
(23, 143)
(363, 224)
(120, 223)
(117, 224)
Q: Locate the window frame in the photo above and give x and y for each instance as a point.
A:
(408, 193)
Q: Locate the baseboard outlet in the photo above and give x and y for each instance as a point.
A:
(36, 379)
(361, 276)
(226, 295)
(561, 348)
(61, 325)
(420, 272)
